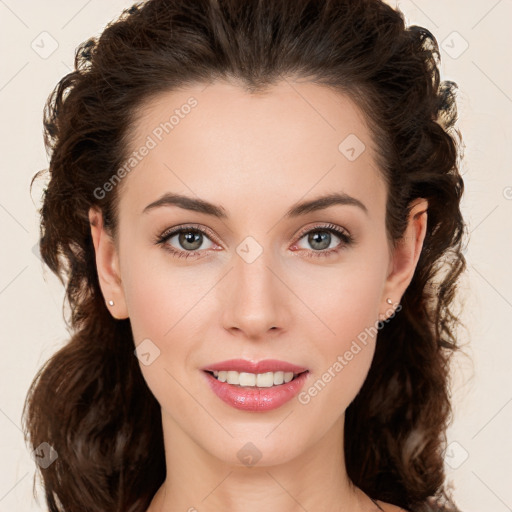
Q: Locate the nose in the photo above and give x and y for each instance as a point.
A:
(256, 301)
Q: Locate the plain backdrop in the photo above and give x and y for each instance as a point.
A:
(37, 44)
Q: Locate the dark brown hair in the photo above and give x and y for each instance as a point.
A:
(90, 401)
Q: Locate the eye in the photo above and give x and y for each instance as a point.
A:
(190, 240)
(320, 238)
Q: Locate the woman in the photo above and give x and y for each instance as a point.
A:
(255, 209)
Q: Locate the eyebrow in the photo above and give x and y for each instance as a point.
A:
(302, 208)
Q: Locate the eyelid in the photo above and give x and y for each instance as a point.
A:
(326, 225)
(183, 227)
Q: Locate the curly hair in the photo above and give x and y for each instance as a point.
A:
(89, 401)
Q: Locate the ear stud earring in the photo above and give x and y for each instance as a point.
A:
(389, 301)
(110, 302)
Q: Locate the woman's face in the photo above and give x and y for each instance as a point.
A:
(259, 284)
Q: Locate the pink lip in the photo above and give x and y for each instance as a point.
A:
(256, 399)
(267, 365)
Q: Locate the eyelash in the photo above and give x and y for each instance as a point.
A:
(347, 240)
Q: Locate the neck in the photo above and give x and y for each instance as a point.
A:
(315, 479)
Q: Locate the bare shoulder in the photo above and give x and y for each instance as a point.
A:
(389, 507)
(431, 505)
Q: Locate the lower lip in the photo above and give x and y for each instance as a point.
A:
(253, 398)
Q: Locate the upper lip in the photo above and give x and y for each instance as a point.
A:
(243, 365)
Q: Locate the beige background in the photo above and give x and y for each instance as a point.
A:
(478, 461)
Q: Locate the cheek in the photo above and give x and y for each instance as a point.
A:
(158, 296)
(346, 301)
(159, 304)
(347, 308)
(151, 313)
(164, 307)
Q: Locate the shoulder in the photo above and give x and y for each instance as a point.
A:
(430, 506)
(388, 507)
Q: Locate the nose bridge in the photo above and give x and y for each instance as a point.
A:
(255, 302)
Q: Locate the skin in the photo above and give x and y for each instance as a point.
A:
(256, 156)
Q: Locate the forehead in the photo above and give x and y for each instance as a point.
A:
(220, 142)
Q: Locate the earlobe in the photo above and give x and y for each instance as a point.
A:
(406, 254)
(107, 265)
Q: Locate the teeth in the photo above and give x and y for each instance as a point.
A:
(259, 380)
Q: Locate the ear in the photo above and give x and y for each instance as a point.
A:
(107, 264)
(405, 256)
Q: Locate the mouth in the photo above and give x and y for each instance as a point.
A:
(255, 380)
(256, 392)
